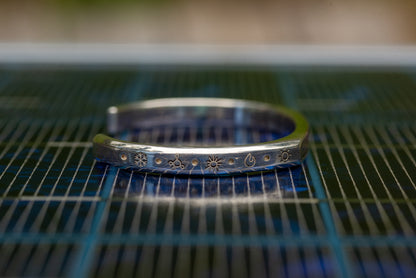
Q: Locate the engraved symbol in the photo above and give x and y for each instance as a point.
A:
(140, 159)
(284, 155)
(250, 160)
(213, 163)
(176, 163)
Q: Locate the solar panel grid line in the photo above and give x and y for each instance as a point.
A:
(16, 260)
(409, 136)
(183, 268)
(148, 252)
(382, 131)
(58, 214)
(35, 145)
(55, 131)
(356, 228)
(5, 221)
(126, 267)
(6, 130)
(373, 257)
(256, 260)
(220, 262)
(402, 256)
(373, 268)
(385, 219)
(275, 262)
(67, 130)
(304, 230)
(137, 216)
(101, 267)
(408, 254)
(118, 226)
(23, 218)
(46, 253)
(398, 184)
(404, 184)
(319, 133)
(91, 211)
(380, 150)
(119, 267)
(367, 215)
(42, 260)
(166, 249)
(402, 221)
(289, 94)
(286, 227)
(7, 251)
(201, 264)
(21, 128)
(110, 256)
(7, 254)
(83, 262)
(84, 153)
(100, 216)
(316, 216)
(69, 226)
(388, 255)
(77, 170)
(332, 225)
(368, 256)
(269, 227)
(378, 257)
(238, 260)
(36, 250)
(402, 134)
(384, 254)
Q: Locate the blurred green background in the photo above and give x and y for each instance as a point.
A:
(210, 22)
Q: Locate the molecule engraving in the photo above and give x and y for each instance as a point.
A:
(140, 159)
(250, 160)
(214, 163)
(176, 163)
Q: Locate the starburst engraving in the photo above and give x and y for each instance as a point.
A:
(213, 163)
(284, 155)
(140, 159)
(176, 163)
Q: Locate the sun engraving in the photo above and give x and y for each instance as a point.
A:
(285, 155)
(214, 163)
(140, 159)
(176, 163)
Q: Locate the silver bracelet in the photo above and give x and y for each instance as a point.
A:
(279, 136)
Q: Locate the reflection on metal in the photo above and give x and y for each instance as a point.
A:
(272, 185)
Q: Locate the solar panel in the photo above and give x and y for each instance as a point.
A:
(349, 210)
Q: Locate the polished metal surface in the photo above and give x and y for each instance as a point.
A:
(282, 141)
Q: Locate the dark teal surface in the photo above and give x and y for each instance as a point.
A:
(348, 211)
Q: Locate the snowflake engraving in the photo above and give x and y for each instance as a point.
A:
(140, 159)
